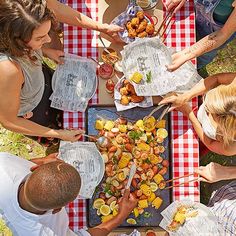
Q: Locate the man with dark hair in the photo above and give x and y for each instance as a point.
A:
(33, 197)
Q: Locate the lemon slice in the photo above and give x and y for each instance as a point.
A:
(113, 205)
(153, 186)
(105, 210)
(162, 133)
(98, 203)
(131, 221)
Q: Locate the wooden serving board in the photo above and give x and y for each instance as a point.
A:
(107, 11)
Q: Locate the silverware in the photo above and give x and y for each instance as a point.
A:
(131, 175)
(164, 112)
(104, 46)
(100, 141)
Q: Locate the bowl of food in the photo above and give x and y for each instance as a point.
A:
(110, 58)
(105, 71)
(136, 24)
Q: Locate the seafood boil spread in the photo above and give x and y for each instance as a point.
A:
(140, 142)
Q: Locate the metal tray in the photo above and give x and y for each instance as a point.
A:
(109, 112)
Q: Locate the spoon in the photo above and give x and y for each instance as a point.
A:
(101, 141)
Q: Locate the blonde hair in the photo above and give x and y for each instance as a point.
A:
(221, 103)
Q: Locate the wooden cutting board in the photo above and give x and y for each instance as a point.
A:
(107, 11)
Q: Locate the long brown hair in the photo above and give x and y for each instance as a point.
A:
(18, 20)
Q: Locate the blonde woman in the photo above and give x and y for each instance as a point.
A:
(215, 123)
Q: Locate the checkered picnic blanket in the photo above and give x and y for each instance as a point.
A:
(185, 150)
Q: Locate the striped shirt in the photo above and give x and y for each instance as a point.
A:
(223, 205)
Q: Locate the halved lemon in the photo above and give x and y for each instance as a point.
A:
(131, 221)
(113, 205)
(105, 210)
(162, 133)
(153, 186)
(98, 203)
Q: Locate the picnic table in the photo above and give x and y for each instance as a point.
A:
(185, 146)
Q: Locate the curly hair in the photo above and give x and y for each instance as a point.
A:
(18, 20)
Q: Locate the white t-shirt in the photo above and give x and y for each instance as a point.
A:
(13, 171)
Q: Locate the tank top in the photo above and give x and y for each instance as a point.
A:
(208, 129)
(33, 86)
(210, 16)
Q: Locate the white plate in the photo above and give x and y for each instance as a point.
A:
(86, 158)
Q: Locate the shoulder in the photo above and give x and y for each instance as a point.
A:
(10, 70)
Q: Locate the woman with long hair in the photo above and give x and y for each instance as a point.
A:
(25, 83)
(215, 123)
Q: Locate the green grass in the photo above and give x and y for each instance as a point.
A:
(224, 62)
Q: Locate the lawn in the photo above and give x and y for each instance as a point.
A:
(23, 146)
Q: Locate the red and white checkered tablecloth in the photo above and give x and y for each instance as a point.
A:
(185, 146)
(185, 149)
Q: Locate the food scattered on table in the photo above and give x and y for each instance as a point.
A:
(128, 94)
(110, 86)
(140, 143)
(105, 71)
(110, 58)
(180, 216)
(139, 26)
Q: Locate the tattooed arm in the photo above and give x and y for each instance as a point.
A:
(206, 44)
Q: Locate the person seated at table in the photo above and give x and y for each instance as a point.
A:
(66, 14)
(223, 200)
(33, 197)
(25, 84)
(215, 25)
(216, 118)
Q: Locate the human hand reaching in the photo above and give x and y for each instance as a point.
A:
(127, 204)
(70, 135)
(112, 31)
(178, 59)
(211, 173)
(177, 100)
(44, 160)
(174, 4)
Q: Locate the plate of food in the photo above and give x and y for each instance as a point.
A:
(136, 24)
(187, 217)
(126, 97)
(131, 140)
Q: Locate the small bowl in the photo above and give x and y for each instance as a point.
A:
(106, 71)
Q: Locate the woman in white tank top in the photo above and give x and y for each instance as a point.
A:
(215, 123)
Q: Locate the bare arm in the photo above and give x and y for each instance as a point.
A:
(200, 88)
(126, 205)
(214, 172)
(11, 81)
(66, 14)
(206, 44)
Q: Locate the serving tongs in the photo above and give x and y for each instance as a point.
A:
(164, 112)
(166, 22)
(180, 184)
